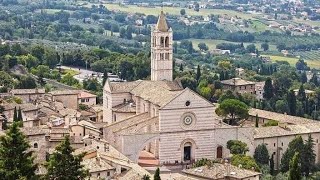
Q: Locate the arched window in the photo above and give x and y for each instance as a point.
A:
(162, 42)
(35, 145)
(167, 41)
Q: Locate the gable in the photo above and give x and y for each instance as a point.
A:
(187, 99)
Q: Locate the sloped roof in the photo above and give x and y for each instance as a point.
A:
(162, 23)
(275, 131)
(157, 92)
(27, 91)
(237, 82)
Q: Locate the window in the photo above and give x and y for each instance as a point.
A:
(98, 175)
(282, 144)
(274, 144)
(82, 100)
(188, 103)
(161, 56)
(108, 173)
(97, 147)
(80, 134)
(162, 42)
(167, 41)
(87, 100)
(35, 145)
(167, 56)
(114, 117)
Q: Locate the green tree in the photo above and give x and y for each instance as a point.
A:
(295, 168)
(182, 12)
(268, 89)
(15, 115)
(304, 78)
(63, 165)
(271, 164)
(146, 177)
(308, 157)
(105, 77)
(19, 116)
(69, 80)
(203, 47)
(292, 103)
(302, 94)
(16, 161)
(198, 75)
(122, 32)
(261, 154)
(296, 145)
(232, 109)
(257, 120)
(247, 162)
(237, 147)
(157, 174)
(314, 79)
(265, 46)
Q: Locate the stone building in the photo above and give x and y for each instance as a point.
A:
(28, 95)
(176, 125)
(239, 85)
(87, 98)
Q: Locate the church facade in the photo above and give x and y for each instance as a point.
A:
(175, 124)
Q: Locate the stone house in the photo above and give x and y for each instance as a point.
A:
(259, 90)
(239, 85)
(69, 98)
(87, 98)
(28, 95)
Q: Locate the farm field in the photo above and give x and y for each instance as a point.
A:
(174, 10)
(211, 43)
(313, 63)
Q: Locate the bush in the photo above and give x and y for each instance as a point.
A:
(246, 162)
(271, 123)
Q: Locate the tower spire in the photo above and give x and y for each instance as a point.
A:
(162, 23)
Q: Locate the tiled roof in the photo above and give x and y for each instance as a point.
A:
(157, 92)
(218, 171)
(283, 118)
(24, 107)
(125, 107)
(118, 87)
(237, 82)
(65, 92)
(275, 131)
(31, 131)
(84, 94)
(27, 91)
(96, 165)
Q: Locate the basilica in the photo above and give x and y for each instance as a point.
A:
(175, 124)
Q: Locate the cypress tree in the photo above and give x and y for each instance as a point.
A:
(308, 157)
(15, 115)
(302, 94)
(296, 145)
(181, 67)
(271, 164)
(157, 174)
(268, 89)
(221, 75)
(257, 120)
(303, 78)
(4, 123)
(292, 102)
(16, 162)
(19, 116)
(64, 165)
(105, 77)
(198, 75)
(295, 168)
(314, 79)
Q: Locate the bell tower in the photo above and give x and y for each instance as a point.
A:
(161, 51)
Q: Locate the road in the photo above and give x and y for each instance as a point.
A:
(83, 73)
